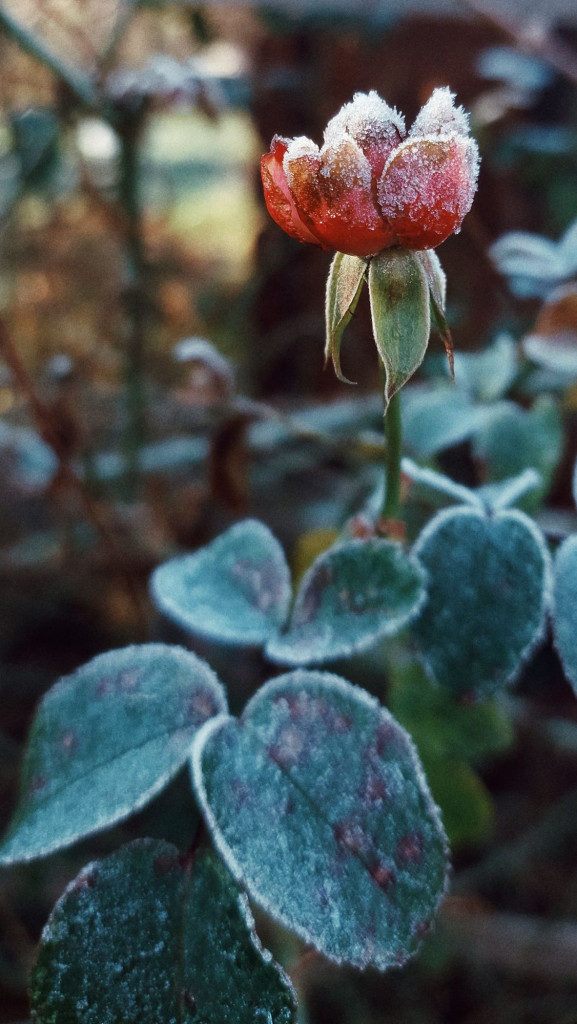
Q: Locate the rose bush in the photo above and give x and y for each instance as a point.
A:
(373, 186)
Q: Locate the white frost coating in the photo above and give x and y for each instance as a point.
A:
(345, 161)
(520, 485)
(440, 116)
(299, 147)
(297, 680)
(446, 515)
(281, 650)
(365, 118)
(441, 483)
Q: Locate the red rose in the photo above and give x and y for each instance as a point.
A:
(371, 186)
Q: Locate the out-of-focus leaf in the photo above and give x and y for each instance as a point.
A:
(553, 341)
(140, 938)
(565, 607)
(516, 439)
(105, 740)
(316, 800)
(439, 419)
(532, 264)
(487, 375)
(236, 590)
(35, 132)
(351, 597)
(31, 461)
(464, 800)
(488, 592)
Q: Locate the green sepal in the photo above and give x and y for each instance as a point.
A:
(400, 310)
(344, 287)
(437, 281)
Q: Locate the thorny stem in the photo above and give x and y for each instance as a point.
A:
(48, 430)
(393, 447)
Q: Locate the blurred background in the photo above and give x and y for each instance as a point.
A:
(161, 375)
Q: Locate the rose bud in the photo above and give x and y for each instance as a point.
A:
(371, 186)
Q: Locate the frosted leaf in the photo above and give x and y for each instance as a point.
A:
(317, 801)
(344, 287)
(488, 592)
(104, 741)
(440, 116)
(142, 939)
(352, 596)
(235, 590)
(372, 123)
(565, 607)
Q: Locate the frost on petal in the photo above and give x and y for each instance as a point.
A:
(279, 201)
(335, 191)
(440, 116)
(427, 189)
(375, 126)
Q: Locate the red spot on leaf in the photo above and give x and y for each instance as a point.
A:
(410, 848)
(382, 875)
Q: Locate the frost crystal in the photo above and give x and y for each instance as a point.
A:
(366, 118)
(440, 116)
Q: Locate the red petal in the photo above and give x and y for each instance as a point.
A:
(427, 189)
(277, 195)
(335, 191)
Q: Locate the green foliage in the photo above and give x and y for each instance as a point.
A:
(36, 140)
(565, 607)
(317, 802)
(124, 722)
(451, 739)
(487, 598)
(236, 590)
(344, 287)
(352, 596)
(400, 311)
(141, 937)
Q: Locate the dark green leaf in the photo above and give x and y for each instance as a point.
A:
(344, 287)
(236, 590)
(514, 439)
(399, 296)
(139, 938)
(565, 607)
(35, 133)
(487, 597)
(435, 420)
(351, 597)
(105, 740)
(317, 801)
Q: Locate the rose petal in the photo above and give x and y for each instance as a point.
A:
(440, 116)
(375, 126)
(335, 190)
(279, 201)
(427, 189)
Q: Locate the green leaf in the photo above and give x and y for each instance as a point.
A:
(105, 740)
(36, 137)
(351, 597)
(236, 590)
(464, 800)
(565, 607)
(514, 439)
(441, 728)
(317, 801)
(487, 375)
(487, 597)
(399, 295)
(140, 938)
(439, 419)
(344, 287)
